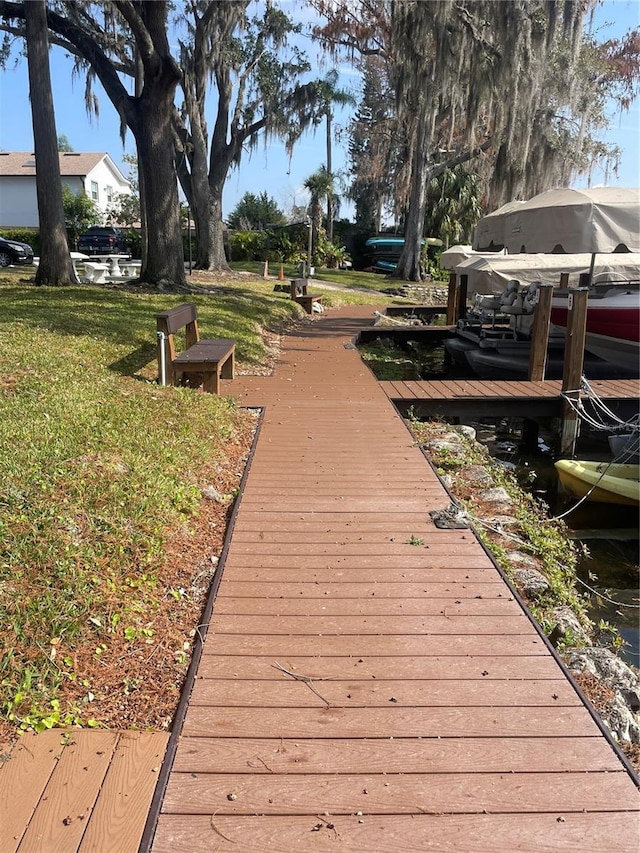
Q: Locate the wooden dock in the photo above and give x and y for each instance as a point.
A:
(366, 681)
(506, 398)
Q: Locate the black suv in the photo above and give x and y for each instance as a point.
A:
(100, 240)
(14, 252)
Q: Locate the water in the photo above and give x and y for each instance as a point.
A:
(610, 566)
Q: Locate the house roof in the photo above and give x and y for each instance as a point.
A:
(72, 164)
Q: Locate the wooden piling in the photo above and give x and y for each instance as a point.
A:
(573, 364)
(452, 300)
(540, 333)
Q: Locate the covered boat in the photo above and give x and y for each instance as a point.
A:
(490, 274)
(613, 323)
(603, 482)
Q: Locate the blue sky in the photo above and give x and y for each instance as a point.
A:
(268, 168)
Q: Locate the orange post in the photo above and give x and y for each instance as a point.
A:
(281, 273)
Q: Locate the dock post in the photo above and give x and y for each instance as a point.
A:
(573, 363)
(462, 297)
(452, 300)
(540, 333)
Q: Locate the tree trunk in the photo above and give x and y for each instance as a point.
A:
(217, 257)
(409, 266)
(330, 171)
(219, 162)
(144, 246)
(151, 126)
(55, 267)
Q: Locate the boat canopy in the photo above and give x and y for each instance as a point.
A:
(454, 255)
(491, 273)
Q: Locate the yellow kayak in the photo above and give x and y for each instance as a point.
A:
(605, 482)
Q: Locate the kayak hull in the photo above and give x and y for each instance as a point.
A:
(601, 482)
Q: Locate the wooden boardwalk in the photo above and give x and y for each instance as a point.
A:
(368, 681)
(88, 791)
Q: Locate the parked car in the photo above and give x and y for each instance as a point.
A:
(100, 240)
(14, 252)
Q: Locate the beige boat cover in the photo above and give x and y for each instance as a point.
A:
(491, 273)
(454, 255)
(598, 220)
(490, 232)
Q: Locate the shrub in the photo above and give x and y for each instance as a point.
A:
(248, 245)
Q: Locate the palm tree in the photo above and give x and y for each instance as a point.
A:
(328, 93)
(453, 205)
(320, 186)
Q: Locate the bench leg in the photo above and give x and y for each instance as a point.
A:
(211, 381)
(228, 368)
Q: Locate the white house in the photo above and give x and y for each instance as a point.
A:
(96, 174)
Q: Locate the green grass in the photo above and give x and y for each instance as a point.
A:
(97, 463)
(346, 278)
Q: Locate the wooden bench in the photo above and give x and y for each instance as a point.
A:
(299, 294)
(212, 359)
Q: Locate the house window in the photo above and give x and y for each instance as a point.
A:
(109, 192)
(94, 190)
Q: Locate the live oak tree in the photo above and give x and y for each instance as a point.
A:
(514, 89)
(55, 265)
(256, 74)
(258, 91)
(108, 39)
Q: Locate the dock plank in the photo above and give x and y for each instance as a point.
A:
(539, 833)
(24, 775)
(412, 693)
(120, 813)
(397, 794)
(68, 800)
(388, 722)
(401, 755)
(409, 668)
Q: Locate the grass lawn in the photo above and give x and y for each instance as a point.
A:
(102, 474)
(345, 278)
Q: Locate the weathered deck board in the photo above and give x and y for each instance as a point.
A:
(120, 814)
(409, 668)
(395, 794)
(359, 646)
(71, 790)
(380, 693)
(450, 606)
(400, 755)
(372, 722)
(537, 833)
(363, 590)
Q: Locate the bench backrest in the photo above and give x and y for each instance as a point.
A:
(176, 318)
(167, 324)
(298, 287)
